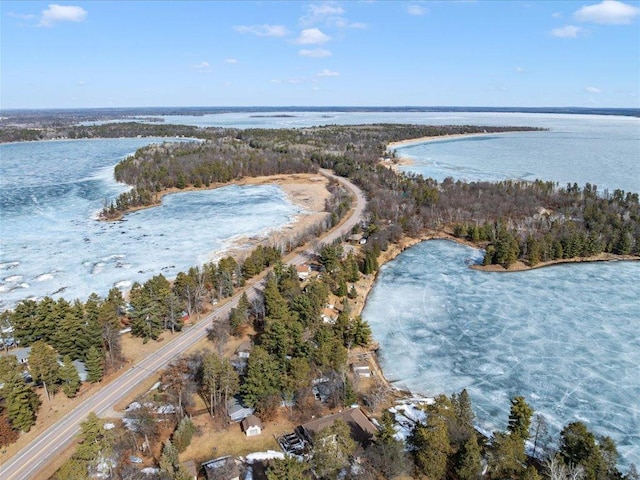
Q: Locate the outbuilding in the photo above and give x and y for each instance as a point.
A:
(251, 426)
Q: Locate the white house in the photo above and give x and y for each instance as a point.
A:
(251, 426)
(303, 271)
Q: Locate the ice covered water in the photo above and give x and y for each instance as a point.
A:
(601, 150)
(52, 245)
(565, 337)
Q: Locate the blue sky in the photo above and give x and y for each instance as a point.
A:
(360, 53)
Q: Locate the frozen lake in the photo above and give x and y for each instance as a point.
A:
(52, 245)
(565, 337)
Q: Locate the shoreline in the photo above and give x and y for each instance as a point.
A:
(406, 242)
(365, 286)
(441, 138)
(284, 181)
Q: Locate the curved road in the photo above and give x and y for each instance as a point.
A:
(27, 462)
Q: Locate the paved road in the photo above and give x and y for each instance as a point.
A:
(30, 460)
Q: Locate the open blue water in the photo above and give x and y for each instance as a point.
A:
(51, 244)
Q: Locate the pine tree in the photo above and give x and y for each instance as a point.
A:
(95, 441)
(520, 418)
(43, 363)
(469, 465)
(183, 434)
(69, 377)
(262, 379)
(288, 468)
(431, 447)
(464, 410)
(22, 403)
(169, 458)
(95, 365)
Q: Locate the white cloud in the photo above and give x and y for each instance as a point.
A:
(340, 22)
(231, 60)
(328, 73)
(519, 70)
(568, 31)
(62, 13)
(556, 15)
(327, 13)
(21, 16)
(81, 83)
(417, 10)
(202, 67)
(315, 53)
(593, 90)
(610, 12)
(324, 9)
(262, 30)
(311, 36)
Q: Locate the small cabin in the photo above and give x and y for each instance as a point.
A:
(251, 426)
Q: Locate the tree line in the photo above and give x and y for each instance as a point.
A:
(513, 220)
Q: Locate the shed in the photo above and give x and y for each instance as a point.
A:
(361, 369)
(244, 349)
(251, 426)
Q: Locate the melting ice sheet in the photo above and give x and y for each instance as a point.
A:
(566, 337)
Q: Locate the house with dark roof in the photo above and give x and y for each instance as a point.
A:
(222, 468)
(362, 429)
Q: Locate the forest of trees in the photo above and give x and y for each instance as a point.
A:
(513, 220)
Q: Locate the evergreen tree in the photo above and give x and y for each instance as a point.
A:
(333, 446)
(506, 456)
(469, 464)
(43, 363)
(22, 403)
(169, 458)
(9, 367)
(431, 447)
(520, 418)
(95, 442)
(386, 457)
(262, 379)
(69, 377)
(578, 446)
(24, 320)
(463, 409)
(288, 468)
(95, 365)
(183, 434)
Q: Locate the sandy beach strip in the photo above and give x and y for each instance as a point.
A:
(439, 138)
